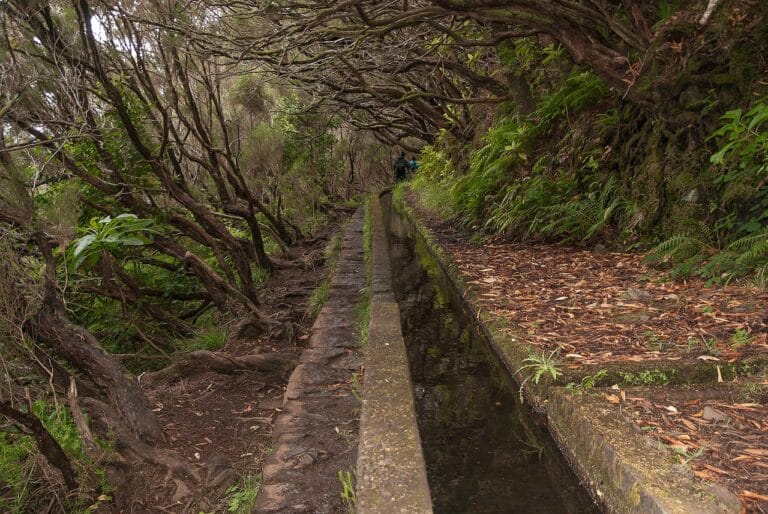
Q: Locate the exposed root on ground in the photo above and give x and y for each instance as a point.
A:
(203, 361)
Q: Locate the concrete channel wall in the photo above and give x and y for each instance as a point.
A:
(392, 476)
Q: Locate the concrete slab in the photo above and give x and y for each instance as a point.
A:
(392, 475)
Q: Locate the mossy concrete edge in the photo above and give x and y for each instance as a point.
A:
(623, 473)
(391, 472)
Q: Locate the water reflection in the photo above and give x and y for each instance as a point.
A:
(484, 453)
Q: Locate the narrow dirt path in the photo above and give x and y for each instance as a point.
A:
(223, 421)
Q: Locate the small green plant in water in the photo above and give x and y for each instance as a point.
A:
(348, 494)
(540, 366)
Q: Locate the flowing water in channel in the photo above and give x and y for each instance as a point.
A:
(484, 452)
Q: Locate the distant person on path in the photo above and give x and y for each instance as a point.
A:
(413, 165)
(401, 167)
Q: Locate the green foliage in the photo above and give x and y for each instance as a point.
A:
(646, 377)
(20, 462)
(740, 338)
(242, 497)
(501, 191)
(581, 89)
(364, 307)
(348, 494)
(504, 146)
(317, 300)
(435, 180)
(320, 294)
(552, 208)
(109, 235)
(684, 455)
(540, 366)
(692, 256)
(587, 215)
(685, 251)
(14, 454)
(522, 210)
(211, 339)
(588, 382)
(743, 164)
(744, 256)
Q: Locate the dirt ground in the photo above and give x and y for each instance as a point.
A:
(224, 421)
(599, 308)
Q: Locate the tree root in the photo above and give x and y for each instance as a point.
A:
(132, 448)
(218, 362)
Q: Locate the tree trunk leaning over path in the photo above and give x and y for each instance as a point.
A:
(51, 326)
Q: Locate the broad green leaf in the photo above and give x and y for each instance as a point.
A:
(83, 243)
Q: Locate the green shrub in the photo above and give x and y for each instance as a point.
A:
(434, 181)
(20, 461)
(211, 339)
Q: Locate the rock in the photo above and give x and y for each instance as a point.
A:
(182, 491)
(634, 293)
(725, 496)
(712, 414)
(272, 403)
(692, 196)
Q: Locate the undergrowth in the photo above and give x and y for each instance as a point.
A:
(505, 191)
(739, 245)
(320, 294)
(26, 476)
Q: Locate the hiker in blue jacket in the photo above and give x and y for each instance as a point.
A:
(413, 165)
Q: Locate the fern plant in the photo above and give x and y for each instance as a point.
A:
(540, 366)
(585, 217)
(581, 89)
(742, 257)
(685, 253)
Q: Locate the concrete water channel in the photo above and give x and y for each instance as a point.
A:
(442, 427)
(485, 451)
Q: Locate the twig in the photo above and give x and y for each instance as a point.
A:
(80, 422)
(709, 11)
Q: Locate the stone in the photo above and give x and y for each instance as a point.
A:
(692, 196)
(727, 497)
(271, 404)
(712, 414)
(634, 293)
